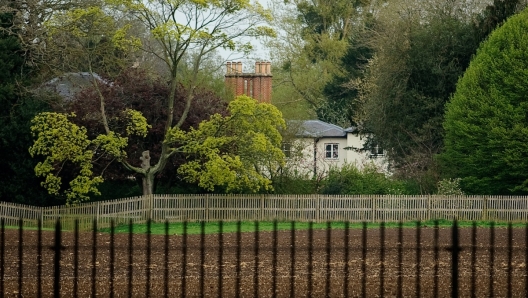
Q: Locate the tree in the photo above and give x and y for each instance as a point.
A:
(486, 132)
(313, 38)
(89, 39)
(342, 96)
(139, 90)
(184, 30)
(494, 15)
(19, 183)
(239, 151)
(420, 50)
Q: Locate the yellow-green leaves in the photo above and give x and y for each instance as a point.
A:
(112, 144)
(61, 141)
(122, 41)
(237, 152)
(136, 123)
(89, 39)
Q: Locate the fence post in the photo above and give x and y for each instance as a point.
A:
(429, 207)
(485, 208)
(206, 217)
(373, 202)
(261, 216)
(97, 214)
(317, 208)
(151, 206)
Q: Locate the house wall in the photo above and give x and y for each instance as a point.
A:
(305, 155)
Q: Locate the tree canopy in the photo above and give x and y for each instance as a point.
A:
(239, 151)
(182, 35)
(486, 131)
(19, 183)
(313, 38)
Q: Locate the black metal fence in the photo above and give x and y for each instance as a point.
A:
(394, 261)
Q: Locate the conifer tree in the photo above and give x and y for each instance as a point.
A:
(486, 121)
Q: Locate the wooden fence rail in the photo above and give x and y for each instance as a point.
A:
(318, 208)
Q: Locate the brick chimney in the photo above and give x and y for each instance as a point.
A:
(256, 85)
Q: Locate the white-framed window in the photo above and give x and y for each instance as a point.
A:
(376, 151)
(286, 148)
(331, 150)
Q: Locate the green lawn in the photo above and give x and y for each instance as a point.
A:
(232, 227)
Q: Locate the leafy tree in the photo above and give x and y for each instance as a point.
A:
(313, 38)
(421, 48)
(183, 30)
(486, 133)
(138, 90)
(239, 151)
(89, 39)
(341, 93)
(19, 183)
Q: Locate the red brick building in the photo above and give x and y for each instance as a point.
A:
(256, 85)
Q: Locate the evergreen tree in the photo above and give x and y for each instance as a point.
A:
(486, 128)
(19, 183)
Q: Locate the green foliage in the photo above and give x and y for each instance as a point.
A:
(349, 180)
(88, 39)
(237, 151)
(450, 187)
(494, 15)
(294, 185)
(421, 48)
(313, 38)
(61, 141)
(19, 183)
(486, 132)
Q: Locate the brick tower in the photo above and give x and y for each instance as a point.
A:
(256, 85)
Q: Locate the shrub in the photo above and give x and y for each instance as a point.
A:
(349, 180)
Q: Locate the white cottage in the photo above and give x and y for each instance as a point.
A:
(317, 146)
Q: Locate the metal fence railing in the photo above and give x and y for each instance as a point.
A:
(331, 261)
(318, 208)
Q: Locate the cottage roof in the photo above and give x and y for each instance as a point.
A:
(69, 84)
(320, 129)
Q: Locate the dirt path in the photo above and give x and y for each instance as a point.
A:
(326, 277)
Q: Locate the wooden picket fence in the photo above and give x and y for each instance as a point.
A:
(316, 208)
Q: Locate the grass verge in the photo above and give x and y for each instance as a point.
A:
(194, 228)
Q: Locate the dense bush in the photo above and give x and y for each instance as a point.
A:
(349, 180)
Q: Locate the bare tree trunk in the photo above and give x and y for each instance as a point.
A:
(148, 176)
(148, 184)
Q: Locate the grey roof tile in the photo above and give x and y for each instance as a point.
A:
(320, 129)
